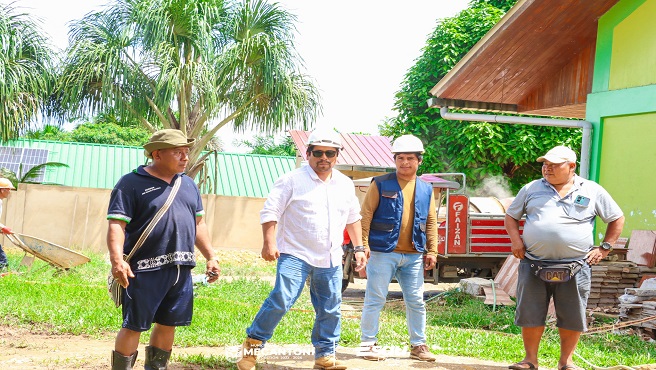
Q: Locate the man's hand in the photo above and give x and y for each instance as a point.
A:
(212, 270)
(361, 261)
(6, 230)
(518, 249)
(270, 252)
(122, 271)
(429, 262)
(596, 255)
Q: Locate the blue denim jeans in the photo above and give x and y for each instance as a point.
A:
(326, 296)
(3, 258)
(408, 269)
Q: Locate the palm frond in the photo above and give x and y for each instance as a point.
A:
(189, 64)
(30, 176)
(26, 71)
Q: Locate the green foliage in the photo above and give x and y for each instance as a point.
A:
(98, 132)
(461, 310)
(49, 132)
(266, 145)
(110, 133)
(26, 65)
(479, 149)
(501, 4)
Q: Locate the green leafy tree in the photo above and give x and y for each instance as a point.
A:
(48, 132)
(25, 71)
(266, 145)
(110, 133)
(193, 65)
(479, 149)
(97, 132)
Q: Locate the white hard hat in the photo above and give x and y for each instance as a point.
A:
(407, 144)
(6, 184)
(324, 137)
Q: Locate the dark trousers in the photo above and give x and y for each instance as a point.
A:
(3, 258)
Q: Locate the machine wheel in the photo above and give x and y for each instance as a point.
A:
(484, 273)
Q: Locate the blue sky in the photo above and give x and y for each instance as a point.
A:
(357, 51)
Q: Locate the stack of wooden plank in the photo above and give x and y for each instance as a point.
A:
(609, 280)
(640, 303)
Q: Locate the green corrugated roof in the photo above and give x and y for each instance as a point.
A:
(100, 166)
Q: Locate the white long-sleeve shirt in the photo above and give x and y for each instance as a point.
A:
(311, 215)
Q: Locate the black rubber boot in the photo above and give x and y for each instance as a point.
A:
(120, 362)
(156, 358)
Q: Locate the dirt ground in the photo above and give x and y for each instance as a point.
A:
(21, 349)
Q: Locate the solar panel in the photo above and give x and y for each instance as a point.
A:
(12, 158)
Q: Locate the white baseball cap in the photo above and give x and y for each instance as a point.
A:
(559, 154)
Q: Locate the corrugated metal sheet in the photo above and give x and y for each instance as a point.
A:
(245, 175)
(101, 166)
(364, 151)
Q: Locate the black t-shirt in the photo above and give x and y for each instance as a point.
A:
(136, 198)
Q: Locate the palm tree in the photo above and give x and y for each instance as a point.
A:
(30, 176)
(25, 71)
(194, 65)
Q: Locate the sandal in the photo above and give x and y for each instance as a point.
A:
(570, 367)
(518, 366)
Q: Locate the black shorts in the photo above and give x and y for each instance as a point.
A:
(163, 296)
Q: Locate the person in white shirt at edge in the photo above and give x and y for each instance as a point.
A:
(310, 207)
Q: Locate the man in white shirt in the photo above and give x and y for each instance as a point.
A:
(310, 207)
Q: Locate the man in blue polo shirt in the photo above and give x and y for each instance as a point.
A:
(157, 279)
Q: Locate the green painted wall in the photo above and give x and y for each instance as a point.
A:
(629, 163)
(633, 58)
(622, 110)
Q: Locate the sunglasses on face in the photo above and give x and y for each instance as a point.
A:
(320, 153)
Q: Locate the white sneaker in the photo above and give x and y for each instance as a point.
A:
(371, 352)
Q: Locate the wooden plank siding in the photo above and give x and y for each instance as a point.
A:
(568, 88)
(539, 57)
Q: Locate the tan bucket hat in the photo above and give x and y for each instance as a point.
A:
(6, 184)
(167, 138)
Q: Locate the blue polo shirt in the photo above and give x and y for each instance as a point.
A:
(136, 198)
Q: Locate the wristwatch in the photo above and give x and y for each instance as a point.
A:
(606, 246)
(358, 248)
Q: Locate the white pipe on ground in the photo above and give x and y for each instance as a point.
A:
(584, 170)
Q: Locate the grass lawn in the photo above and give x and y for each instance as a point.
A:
(76, 302)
